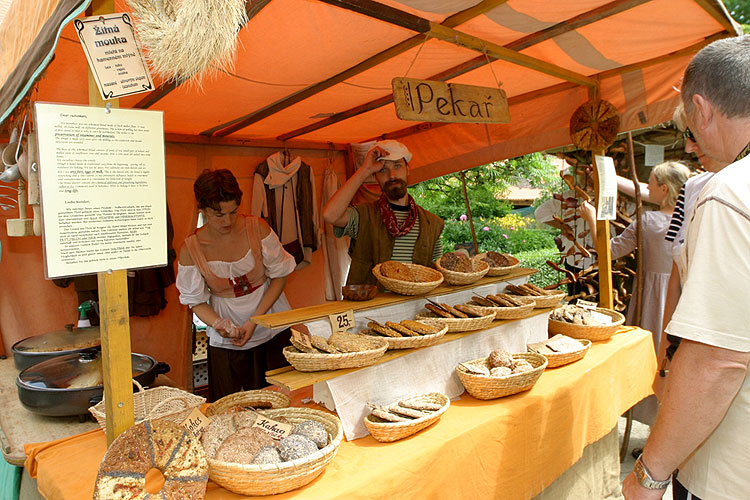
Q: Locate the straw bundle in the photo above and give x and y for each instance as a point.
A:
(189, 38)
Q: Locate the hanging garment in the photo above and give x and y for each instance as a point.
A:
(336, 258)
(284, 195)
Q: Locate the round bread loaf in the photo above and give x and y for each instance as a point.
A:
(315, 431)
(296, 446)
(159, 444)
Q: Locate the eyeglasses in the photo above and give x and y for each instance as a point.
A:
(688, 135)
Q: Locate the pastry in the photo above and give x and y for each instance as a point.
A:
(481, 301)
(438, 310)
(384, 414)
(469, 311)
(267, 455)
(396, 270)
(322, 344)
(383, 330)
(349, 342)
(521, 365)
(406, 411)
(315, 431)
(296, 446)
(455, 261)
(404, 331)
(242, 446)
(419, 327)
(499, 357)
(500, 371)
(455, 312)
(417, 404)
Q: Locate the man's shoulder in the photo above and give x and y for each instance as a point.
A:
(730, 183)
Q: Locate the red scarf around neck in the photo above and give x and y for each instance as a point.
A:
(389, 217)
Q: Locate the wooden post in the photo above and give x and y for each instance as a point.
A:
(117, 368)
(604, 256)
(638, 292)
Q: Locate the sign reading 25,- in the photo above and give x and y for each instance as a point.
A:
(341, 322)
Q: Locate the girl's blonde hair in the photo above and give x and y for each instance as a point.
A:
(678, 117)
(672, 174)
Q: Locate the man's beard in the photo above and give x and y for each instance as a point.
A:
(395, 189)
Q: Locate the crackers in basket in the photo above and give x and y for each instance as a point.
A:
(457, 261)
(498, 300)
(406, 328)
(496, 259)
(498, 364)
(528, 289)
(577, 315)
(337, 343)
(464, 311)
(404, 410)
(397, 271)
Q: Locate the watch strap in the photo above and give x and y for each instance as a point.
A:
(644, 476)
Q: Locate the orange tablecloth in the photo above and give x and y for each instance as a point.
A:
(508, 448)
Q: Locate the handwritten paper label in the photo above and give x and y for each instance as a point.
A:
(195, 423)
(277, 430)
(601, 318)
(607, 201)
(302, 338)
(586, 304)
(342, 322)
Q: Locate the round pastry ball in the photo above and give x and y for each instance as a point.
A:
(296, 446)
(267, 455)
(499, 357)
(313, 430)
(500, 371)
(522, 366)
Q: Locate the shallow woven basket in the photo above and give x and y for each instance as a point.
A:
(241, 400)
(457, 324)
(555, 359)
(591, 332)
(159, 402)
(456, 278)
(385, 432)
(517, 312)
(314, 362)
(411, 342)
(551, 299)
(486, 387)
(428, 278)
(269, 479)
(499, 271)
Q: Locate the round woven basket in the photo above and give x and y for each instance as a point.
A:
(486, 387)
(457, 324)
(241, 400)
(159, 402)
(590, 332)
(314, 362)
(517, 312)
(551, 299)
(456, 278)
(555, 359)
(270, 479)
(412, 342)
(386, 432)
(499, 270)
(428, 279)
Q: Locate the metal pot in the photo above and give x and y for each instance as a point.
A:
(33, 350)
(68, 385)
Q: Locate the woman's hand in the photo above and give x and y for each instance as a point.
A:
(246, 333)
(226, 328)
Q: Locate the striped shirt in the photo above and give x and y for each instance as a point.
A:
(678, 216)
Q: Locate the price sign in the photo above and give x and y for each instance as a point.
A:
(302, 338)
(342, 322)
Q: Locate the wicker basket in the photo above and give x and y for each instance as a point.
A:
(428, 278)
(456, 325)
(315, 362)
(555, 359)
(590, 332)
(270, 479)
(386, 432)
(456, 278)
(499, 271)
(241, 400)
(486, 387)
(517, 312)
(411, 342)
(551, 299)
(159, 402)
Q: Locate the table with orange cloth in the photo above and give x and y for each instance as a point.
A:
(509, 448)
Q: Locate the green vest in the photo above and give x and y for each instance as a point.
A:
(374, 244)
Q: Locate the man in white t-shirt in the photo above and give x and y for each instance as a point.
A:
(702, 426)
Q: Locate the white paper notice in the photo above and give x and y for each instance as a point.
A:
(654, 155)
(103, 186)
(607, 202)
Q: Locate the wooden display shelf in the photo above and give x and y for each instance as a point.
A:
(291, 379)
(320, 311)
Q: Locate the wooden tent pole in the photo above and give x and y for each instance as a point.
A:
(468, 213)
(638, 233)
(604, 255)
(117, 368)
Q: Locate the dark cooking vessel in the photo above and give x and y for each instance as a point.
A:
(33, 350)
(67, 385)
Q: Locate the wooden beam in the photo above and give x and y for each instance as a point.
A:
(255, 143)
(383, 13)
(250, 118)
(252, 8)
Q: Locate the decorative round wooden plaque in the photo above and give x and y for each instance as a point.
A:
(594, 125)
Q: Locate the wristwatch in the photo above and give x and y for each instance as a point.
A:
(644, 477)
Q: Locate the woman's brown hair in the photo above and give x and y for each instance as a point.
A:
(215, 186)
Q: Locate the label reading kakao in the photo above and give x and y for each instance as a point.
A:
(277, 430)
(341, 322)
(195, 423)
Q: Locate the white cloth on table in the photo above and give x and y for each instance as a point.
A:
(193, 291)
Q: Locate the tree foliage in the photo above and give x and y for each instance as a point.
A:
(739, 10)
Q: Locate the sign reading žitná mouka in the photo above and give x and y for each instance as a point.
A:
(433, 101)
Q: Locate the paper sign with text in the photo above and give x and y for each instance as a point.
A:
(586, 304)
(277, 430)
(607, 202)
(114, 56)
(195, 423)
(302, 338)
(341, 322)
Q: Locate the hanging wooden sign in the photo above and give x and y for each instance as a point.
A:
(434, 101)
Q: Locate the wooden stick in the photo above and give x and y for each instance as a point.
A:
(638, 231)
(468, 212)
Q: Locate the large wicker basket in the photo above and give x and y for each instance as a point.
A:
(590, 332)
(457, 278)
(456, 325)
(412, 342)
(486, 387)
(555, 359)
(270, 479)
(428, 278)
(551, 298)
(159, 402)
(517, 312)
(387, 432)
(255, 399)
(315, 362)
(499, 270)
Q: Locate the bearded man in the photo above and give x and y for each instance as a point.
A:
(392, 228)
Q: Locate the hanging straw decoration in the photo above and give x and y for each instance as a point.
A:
(189, 39)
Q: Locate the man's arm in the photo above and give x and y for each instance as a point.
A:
(703, 380)
(334, 212)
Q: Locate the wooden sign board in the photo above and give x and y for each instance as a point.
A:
(115, 59)
(433, 101)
